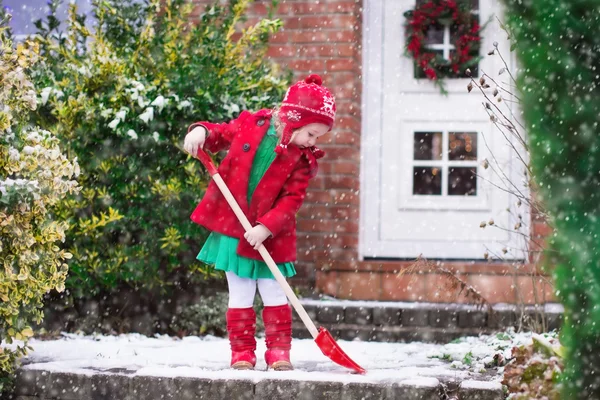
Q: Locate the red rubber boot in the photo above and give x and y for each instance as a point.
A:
(241, 326)
(278, 332)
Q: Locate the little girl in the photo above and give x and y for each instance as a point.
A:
(272, 156)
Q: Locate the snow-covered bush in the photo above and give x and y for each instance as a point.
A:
(35, 176)
(534, 370)
(120, 97)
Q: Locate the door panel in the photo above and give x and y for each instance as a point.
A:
(428, 191)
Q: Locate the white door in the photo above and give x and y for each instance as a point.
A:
(424, 188)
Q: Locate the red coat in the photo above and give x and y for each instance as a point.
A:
(277, 197)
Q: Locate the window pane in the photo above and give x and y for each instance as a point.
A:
(462, 146)
(435, 35)
(427, 180)
(428, 146)
(462, 182)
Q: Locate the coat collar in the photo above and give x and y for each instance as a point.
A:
(264, 113)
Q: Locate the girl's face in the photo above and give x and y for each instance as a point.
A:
(307, 135)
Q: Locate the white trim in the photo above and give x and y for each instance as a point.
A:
(371, 122)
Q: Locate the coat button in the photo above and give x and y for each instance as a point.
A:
(260, 122)
(246, 147)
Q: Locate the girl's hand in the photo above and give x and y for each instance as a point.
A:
(257, 235)
(194, 140)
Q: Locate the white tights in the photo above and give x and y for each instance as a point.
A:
(243, 290)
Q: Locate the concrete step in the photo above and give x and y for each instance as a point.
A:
(35, 384)
(133, 366)
(424, 322)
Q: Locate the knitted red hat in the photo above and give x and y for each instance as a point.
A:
(305, 102)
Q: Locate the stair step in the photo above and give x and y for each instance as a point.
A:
(34, 384)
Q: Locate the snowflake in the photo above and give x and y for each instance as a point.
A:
(293, 115)
(327, 104)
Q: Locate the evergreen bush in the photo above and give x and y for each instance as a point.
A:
(559, 51)
(35, 176)
(120, 96)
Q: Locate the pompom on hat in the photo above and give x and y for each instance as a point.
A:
(305, 102)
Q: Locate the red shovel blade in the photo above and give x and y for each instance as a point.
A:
(332, 350)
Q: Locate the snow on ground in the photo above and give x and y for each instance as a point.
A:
(208, 357)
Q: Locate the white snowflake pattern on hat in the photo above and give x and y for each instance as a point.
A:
(328, 103)
(294, 115)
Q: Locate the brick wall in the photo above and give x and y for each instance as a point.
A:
(325, 37)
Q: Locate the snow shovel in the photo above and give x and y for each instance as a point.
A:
(322, 337)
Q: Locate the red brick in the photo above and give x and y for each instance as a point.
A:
(341, 241)
(324, 50)
(345, 212)
(313, 254)
(341, 36)
(325, 166)
(327, 282)
(534, 290)
(318, 196)
(311, 8)
(542, 229)
(343, 92)
(439, 289)
(315, 184)
(345, 197)
(326, 139)
(300, 37)
(343, 78)
(341, 7)
(305, 225)
(346, 168)
(341, 182)
(363, 286)
(261, 9)
(494, 288)
(348, 123)
(312, 66)
(319, 21)
(345, 226)
(351, 266)
(318, 182)
(315, 211)
(280, 51)
(343, 153)
(340, 64)
(345, 138)
(405, 287)
(280, 37)
(345, 107)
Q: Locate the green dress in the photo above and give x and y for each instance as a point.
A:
(220, 250)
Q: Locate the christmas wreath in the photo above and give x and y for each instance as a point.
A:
(464, 36)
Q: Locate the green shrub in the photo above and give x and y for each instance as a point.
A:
(120, 98)
(35, 176)
(560, 87)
